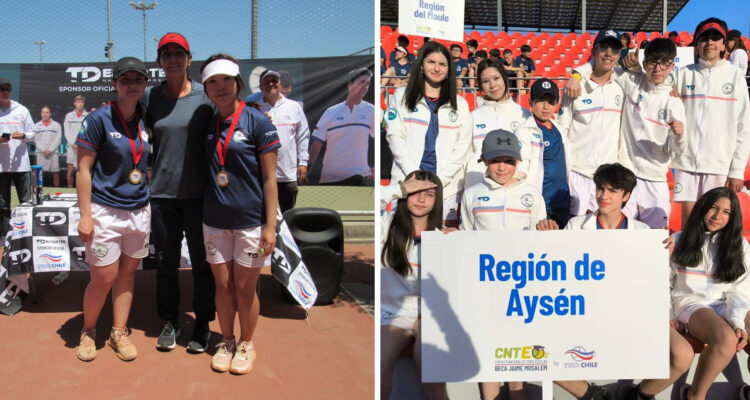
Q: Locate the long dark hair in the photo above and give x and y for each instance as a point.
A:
(688, 250)
(493, 63)
(401, 230)
(415, 87)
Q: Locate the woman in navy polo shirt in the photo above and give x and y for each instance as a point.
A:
(239, 208)
(113, 199)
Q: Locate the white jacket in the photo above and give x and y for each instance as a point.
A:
(738, 58)
(399, 294)
(488, 206)
(647, 142)
(491, 115)
(294, 134)
(48, 137)
(532, 151)
(14, 155)
(691, 286)
(593, 123)
(718, 119)
(587, 222)
(406, 137)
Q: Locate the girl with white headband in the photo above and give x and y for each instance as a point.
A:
(239, 208)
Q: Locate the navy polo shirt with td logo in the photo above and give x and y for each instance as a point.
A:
(103, 133)
(239, 204)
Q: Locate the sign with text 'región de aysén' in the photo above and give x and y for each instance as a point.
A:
(530, 306)
(441, 19)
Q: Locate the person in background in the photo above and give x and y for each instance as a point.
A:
(736, 50)
(525, 61)
(402, 41)
(17, 129)
(71, 126)
(48, 138)
(346, 129)
(291, 124)
(513, 72)
(460, 65)
(399, 70)
(626, 41)
(178, 113)
(495, 53)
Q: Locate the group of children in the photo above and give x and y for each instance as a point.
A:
(603, 164)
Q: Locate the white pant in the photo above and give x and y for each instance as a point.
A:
(649, 203)
(689, 186)
(582, 194)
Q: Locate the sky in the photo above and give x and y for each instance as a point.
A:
(76, 31)
(736, 13)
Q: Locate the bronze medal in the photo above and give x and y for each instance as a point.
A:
(222, 178)
(136, 176)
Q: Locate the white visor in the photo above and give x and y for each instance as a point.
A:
(220, 67)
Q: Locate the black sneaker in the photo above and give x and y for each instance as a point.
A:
(168, 337)
(199, 340)
(601, 393)
(627, 391)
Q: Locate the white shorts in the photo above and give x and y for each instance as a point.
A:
(240, 245)
(72, 157)
(720, 308)
(118, 232)
(582, 194)
(649, 203)
(51, 164)
(399, 321)
(450, 209)
(689, 186)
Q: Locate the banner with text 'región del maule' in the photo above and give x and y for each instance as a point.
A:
(530, 306)
(441, 19)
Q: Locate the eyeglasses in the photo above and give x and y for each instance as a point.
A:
(664, 64)
(4, 88)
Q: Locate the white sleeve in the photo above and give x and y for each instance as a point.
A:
(396, 135)
(741, 151)
(303, 137)
(321, 129)
(29, 127)
(736, 297)
(467, 218)
(677, 143)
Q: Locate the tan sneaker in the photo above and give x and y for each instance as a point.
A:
(87, 346)
(119, 341)
(223, 357)
(242, 362)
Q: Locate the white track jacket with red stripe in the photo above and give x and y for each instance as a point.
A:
(718, 119)
(406, 139)
(647, 142)
(488, 206)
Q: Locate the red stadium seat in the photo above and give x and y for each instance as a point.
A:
(670, 179)
(675, 216)
(747, 175)
(745, 208)
(385, 30)
(382, 102)
(470, 98)
(654, 35)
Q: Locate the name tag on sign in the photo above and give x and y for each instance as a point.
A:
(530, 306)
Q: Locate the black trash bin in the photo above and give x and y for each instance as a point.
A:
(319, 234)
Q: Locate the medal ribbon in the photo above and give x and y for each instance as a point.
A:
(136, 156)
(223, 151)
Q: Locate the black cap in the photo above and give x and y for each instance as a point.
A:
(544, 86)
(608, 35)
(734, 34)
(4, 82)
(127, 64)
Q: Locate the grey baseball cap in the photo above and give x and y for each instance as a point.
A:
(501, 143)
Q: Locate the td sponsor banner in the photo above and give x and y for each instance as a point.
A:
(288, 267)
(442, 19)
(560, 305)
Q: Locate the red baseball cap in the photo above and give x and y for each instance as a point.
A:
(175, 38)
(711, 26)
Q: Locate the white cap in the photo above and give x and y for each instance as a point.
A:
(220, 67)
